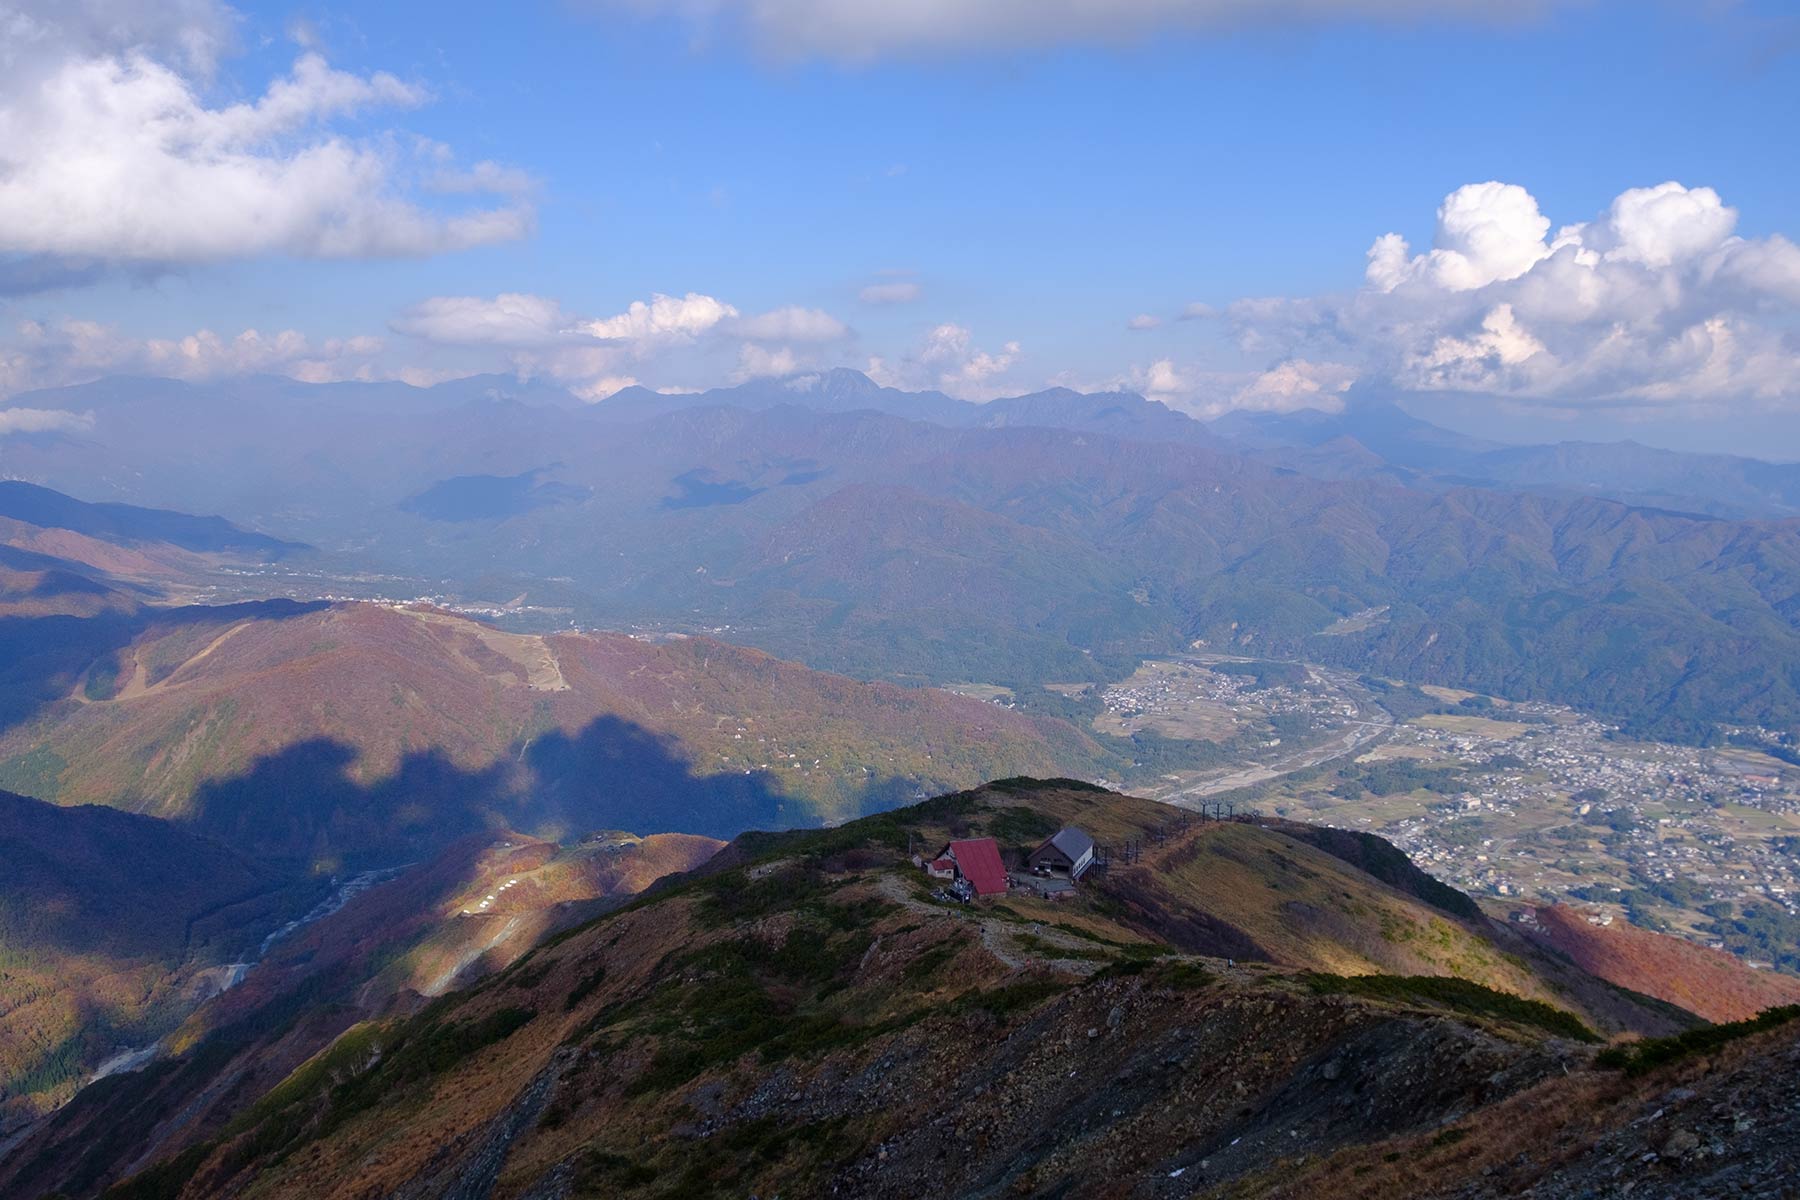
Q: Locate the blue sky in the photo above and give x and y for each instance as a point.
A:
(1033, 194)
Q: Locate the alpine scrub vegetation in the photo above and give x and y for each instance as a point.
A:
(802, 1015)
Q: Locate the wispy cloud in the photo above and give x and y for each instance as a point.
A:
(899, 291)
(595, 356)
(43, 420)
(863, 30)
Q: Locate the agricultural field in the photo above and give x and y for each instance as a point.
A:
(1177, 700)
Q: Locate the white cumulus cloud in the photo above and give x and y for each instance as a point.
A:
(604, 386)
(192, 33)
(1207, 392)
(661, 318)
(1296, 384)
(48, 354)
(444, 337)
(596, 356)
(114, 151)
(761, 362)
(948, 360)
(1161, 381)
(1485, 232)
(1654, 302)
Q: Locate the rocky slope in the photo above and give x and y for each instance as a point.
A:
(1723, 1123)
(804, 1018)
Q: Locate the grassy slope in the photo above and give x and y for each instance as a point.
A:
(109, 924)
(34, 585)
(1712, 983)
(191, 703)
(806, 982)
(383, 954)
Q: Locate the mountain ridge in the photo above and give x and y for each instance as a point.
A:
(131, 525)
(900, 1039)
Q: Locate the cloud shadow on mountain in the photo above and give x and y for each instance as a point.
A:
(304, 803)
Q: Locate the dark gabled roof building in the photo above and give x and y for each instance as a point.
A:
(1068, 851)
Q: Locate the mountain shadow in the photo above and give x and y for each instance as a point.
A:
(90, 881)
(616, 774)
(304, 803)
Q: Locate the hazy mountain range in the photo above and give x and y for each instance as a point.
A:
(1050, 537)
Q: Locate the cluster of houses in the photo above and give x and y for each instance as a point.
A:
(974, 867)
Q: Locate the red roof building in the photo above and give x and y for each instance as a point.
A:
(978, 861)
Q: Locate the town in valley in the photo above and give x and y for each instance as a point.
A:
(1517, 803)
